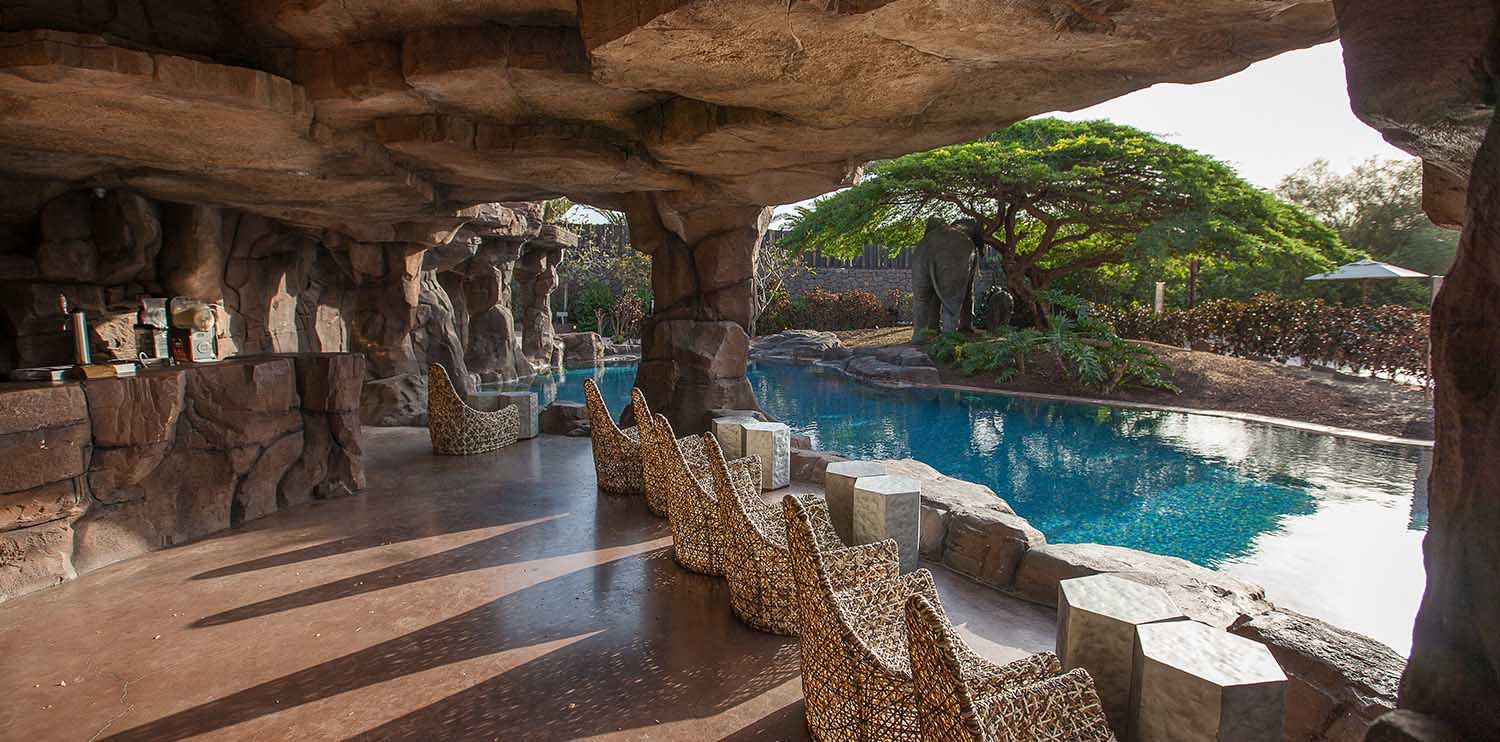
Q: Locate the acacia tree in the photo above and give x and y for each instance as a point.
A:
(1053, 198)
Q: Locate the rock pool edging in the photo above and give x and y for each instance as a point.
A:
(1339, 683)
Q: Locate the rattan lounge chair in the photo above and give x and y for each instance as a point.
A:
(691, 507)
(458, 429)
(692, 453)
(856, 675)
(757, 564)
(617, 451)
(964, 697)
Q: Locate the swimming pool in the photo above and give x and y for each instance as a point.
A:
(1330, 526)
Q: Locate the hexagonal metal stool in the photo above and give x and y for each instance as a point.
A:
(1196, 683)
(772, 442)
(730, 432)
(838, 490)
(1096, 621)
(889, 506)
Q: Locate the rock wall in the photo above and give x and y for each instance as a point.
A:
(107, 469)
(441, 296)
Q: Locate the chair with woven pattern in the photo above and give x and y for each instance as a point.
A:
(655, 488)
(457, 429)
(757, 565)
(617, 451)
(964, 697)
(692, 509)
(851, 600)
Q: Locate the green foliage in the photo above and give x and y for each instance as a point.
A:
(821, 309)
(595, 299)
(1092, 205)
(1086, 349)
(1377, 207)
(1389, 339)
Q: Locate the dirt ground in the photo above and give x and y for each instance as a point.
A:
(1211, 381)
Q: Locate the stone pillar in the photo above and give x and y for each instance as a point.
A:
(494, 348)
(1454, 672)
(536, 277)
(695, 344)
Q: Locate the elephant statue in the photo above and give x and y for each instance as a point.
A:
(998, 307)
(943, 266)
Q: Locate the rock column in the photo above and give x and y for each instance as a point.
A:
(1455, 660)
(536, 277)
(695, 344)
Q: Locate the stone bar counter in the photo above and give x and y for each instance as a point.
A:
(102, 470)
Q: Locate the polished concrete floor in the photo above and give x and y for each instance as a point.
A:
(493, 597)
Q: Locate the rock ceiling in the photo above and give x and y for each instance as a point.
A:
(384, 119)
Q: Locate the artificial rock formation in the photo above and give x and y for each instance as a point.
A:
(106, 469)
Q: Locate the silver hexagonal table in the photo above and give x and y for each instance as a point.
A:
(838, 490)
(889, 507)
(1196, 683)
(1096, 621)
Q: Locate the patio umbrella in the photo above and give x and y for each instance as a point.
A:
(1365, 271)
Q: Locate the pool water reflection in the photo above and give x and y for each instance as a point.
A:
(1328, 525)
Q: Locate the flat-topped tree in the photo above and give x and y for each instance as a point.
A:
(1054, 198)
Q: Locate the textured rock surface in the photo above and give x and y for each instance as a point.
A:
(112, 468)
(1338, 682)
(1455, 660)
(581, 349)
(566, 418)
(1203, 594)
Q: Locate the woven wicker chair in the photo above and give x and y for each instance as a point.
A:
(757, 564)
(964, 697)
(856, 674)
(459, 430)
(691, 507)
(617, 451)
(692, 453)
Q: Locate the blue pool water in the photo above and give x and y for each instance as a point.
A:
(1329, 526)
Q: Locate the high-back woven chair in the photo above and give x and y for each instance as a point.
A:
(692, 509)
(966, 698)
(757, 564)
(851, 600)
(691, 446)
(458, 429)
(617, 451)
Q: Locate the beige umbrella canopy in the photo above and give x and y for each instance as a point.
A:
(1365, 271)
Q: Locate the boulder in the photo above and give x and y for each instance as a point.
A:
(581, 349)
(796, 345)
(135, 411)
(810, 466)
(36, 557)
(127, 232)
(1203, 594)
(67, 217)
(256, 495)
(871, 368)
(43, 407)
(68, 260)
(112, 533)
(42, 504)
(397, 400)
(1339, 683)
(566, 418)
(37, 457)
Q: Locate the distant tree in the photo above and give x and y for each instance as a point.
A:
(1377, 207)
(1055, 199)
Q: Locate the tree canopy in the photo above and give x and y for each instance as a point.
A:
(1080, 203)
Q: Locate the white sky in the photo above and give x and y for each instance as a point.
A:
(1267, 121)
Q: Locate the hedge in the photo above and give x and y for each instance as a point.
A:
(821, 309)
(1390, 339)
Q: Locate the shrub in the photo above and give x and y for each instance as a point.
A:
(821, 309)
(596, 299)
(1388, 339)
(1085, 349)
